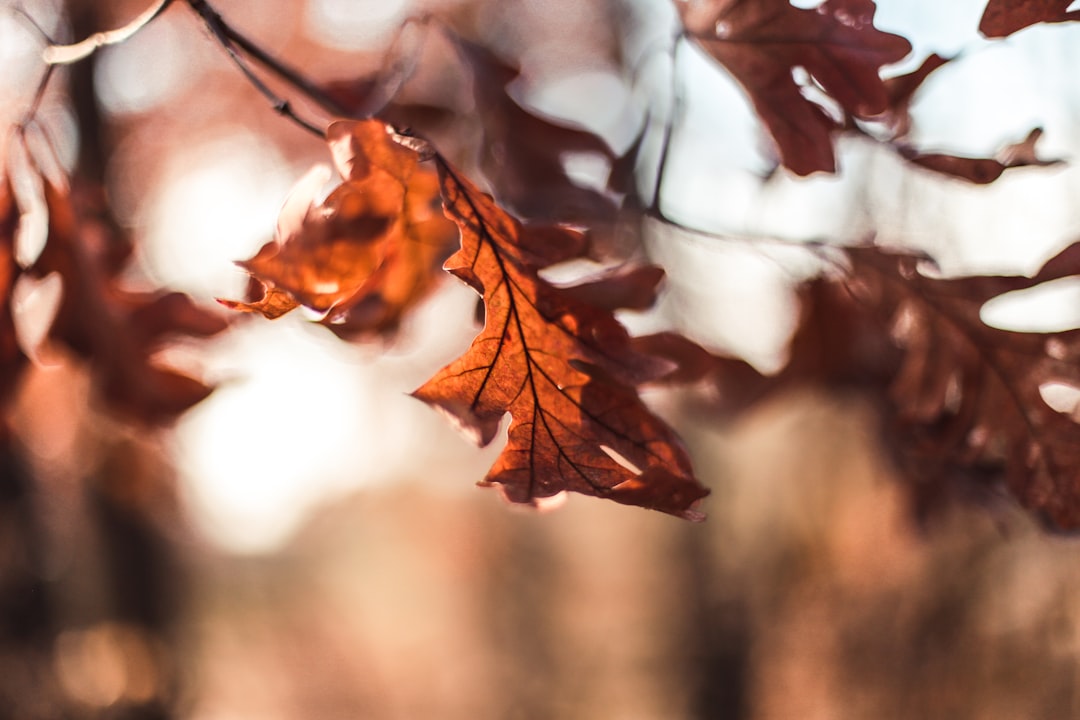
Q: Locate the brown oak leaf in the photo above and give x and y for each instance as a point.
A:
(761, 42)
(117, 331)
(370, 251)
(1004, 17)
(564, 369)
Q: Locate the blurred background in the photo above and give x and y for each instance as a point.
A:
(308, 543)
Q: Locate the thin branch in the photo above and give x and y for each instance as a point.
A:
(665, 146)
(221, 33)
(39, 95)
(20, 12)
(824, 251)
(229, 36)
(67, 54)
(43, 83)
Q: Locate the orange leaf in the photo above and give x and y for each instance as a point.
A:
(370, 251)
(563, 368)
(762, 41)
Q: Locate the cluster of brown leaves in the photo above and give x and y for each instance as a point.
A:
(117, 332)
(554, 358)
(961, 402)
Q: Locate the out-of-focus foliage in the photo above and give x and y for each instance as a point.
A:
(523, 148)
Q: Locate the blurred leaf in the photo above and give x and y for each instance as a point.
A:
(116, 330)
(11, 355)
(762, 41)
(523, 151)
(961, 401)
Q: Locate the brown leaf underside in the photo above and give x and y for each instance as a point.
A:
(762, 41)
(967, 394)
(564, 369)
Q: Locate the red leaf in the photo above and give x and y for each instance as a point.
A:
(116, 330)
(564, 370)
(1004, 17)
(762, 41)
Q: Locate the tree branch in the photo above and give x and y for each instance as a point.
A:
(224, 35)
(665, 146)
(67, 54)
(229, 36)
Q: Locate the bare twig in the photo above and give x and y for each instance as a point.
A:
(231, 37)
(66, 54)
(223, 34)
(20, 12)
(829, 254)
(665, 146)
(39, 94)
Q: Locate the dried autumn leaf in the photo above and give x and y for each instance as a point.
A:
(411, 269)
(761, 42)
(1004, 17)
(366, 254)
(564, 369)
(962, 403)
(117, 331)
